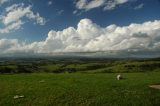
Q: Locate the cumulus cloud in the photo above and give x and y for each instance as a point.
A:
(106, 4)
(90, 37)
(14, 16)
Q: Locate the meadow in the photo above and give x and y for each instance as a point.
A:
(79, 83)
(79, 89)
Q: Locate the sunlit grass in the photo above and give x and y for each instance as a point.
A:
(79, 89)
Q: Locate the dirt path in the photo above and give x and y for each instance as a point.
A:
(155, 86)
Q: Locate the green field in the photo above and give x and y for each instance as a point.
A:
(79, 89)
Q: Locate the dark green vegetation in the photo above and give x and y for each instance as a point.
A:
(78, 65)
(78, 89)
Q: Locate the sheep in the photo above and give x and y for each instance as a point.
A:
(18, 96)
(119, 77)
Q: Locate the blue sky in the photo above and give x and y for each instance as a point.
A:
(57, 15)
(121, 15)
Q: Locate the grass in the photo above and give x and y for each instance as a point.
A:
(78, 89)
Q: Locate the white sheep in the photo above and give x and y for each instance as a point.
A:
(18, 96)
(119, 77)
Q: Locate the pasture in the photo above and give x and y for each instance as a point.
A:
(79, 89)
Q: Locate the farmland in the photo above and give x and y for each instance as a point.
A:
(79, 65)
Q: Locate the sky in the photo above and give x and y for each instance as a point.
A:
(114, 27)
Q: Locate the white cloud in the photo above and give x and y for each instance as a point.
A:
(18, 11)
(90, 37)
(60, 12)
(3, 1)
(84, 4)
(14, 26)
(106, 4)
(139, 6)
(15, 14)
(110, 5)
(50, 3)
(14, 6)
(75, 12)
(6, 44)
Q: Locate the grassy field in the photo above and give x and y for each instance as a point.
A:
(79, 89)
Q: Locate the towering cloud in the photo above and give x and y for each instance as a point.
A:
(90, 37)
